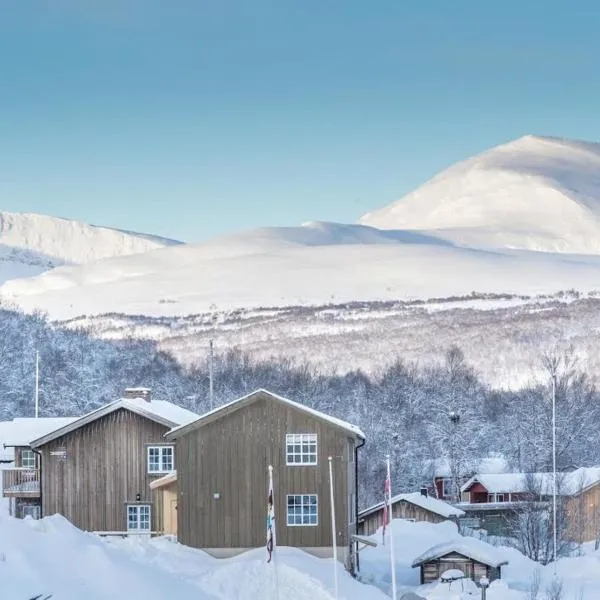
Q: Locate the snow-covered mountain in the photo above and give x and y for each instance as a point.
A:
(31, 244)
(535, 193)
(522, 218)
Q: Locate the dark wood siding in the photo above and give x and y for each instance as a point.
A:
(104, 468)
(230, 457)
(433, 569)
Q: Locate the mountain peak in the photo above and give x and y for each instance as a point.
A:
(536, 193)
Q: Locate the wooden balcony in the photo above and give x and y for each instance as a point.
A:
(21, 483)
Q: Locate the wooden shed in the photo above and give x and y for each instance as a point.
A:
(413, 506)
(164, 495)
(474, 558)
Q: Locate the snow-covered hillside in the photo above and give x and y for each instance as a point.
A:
(309, 265)
(31, 244)
(535, 193)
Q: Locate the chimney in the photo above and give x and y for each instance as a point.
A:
(138, 392)
(424, 492)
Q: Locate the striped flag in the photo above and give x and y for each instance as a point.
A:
(270, 518)
(386, 505)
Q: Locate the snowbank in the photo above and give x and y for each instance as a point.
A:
(51, 556)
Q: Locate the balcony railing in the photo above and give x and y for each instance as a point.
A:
(23, 483)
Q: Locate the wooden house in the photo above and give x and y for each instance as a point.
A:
(223, 483)
(20, 464)
(414, 506)
(582, 505)
(96, 471)
(474, 558)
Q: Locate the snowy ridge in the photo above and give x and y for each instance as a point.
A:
(535, 193)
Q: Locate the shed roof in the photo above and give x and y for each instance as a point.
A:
(261, 393)
(438, 507)
(160, 411)
(470, 547)
(162, 481)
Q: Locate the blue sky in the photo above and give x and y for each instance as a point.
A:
(199, 117)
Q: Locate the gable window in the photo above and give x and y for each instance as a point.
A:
(138, 518)
(301, 448)
(28, 459)
(160, 459)
(302, 510)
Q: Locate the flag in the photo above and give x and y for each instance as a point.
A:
(386, 505)
(270, 518)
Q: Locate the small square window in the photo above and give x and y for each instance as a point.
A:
(301, 448)
(302, 510)
(28, 459)
(138, 518)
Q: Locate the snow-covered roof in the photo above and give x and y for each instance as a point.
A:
(160, 411)
(438, 507)
(470, 547)
(567, 484)
(20, 431)
(261, 393)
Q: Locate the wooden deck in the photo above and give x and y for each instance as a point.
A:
(21, 483)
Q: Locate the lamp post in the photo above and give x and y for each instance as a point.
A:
(484, 583)
(454, 418)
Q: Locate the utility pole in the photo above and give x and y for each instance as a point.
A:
(554, 465)
(37, 383)
(210, 375)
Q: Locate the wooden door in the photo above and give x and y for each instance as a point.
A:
(171, 516)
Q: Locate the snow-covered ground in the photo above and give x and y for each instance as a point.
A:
(51, 556)
(578, 574)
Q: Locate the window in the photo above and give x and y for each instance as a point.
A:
(446, 487)
(28, 459)
(302, 510)
(160, 459)
(301, 448)
(138, 518)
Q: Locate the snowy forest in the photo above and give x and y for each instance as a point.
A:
(405, 410)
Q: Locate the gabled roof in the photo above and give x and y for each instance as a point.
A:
(230, 407)
(159, 411)
(470, 547)
(438, 507)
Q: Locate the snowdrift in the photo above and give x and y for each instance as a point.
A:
(51, 556)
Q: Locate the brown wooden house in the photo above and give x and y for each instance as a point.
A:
(474, 558)
(20, 464)
(413, 506)
(96, 471)
(582, 505)
(223, 484)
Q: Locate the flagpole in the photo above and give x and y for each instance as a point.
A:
(271, 530)
(392, 561)
(333, 528)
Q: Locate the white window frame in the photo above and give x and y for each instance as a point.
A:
(305, 502)
(30, 455)
(161, 452)
(137, 509)
(295, 457)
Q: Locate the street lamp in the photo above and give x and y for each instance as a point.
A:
(454, 418)
(554, 467)
(484, 583)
